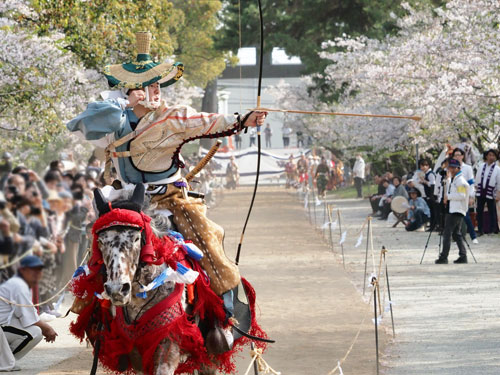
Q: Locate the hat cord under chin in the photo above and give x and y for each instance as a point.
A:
(146, 103)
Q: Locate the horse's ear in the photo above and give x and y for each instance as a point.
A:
(138, 196)
(100, 202)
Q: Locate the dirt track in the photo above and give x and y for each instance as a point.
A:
(307, 302)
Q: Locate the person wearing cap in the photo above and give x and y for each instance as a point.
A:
(456, 200)
(418, 213)
(143, 136)
(21, 326)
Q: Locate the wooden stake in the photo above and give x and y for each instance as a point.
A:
(384, 250)
(366, 252)
(375, 288)
(340, 228)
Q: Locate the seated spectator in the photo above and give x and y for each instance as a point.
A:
(375, 198)
(413, 183)
(399, 190)
(21, 326)
(418, 213)
(389, 191)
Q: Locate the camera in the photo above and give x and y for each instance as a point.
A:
(12, 189)
(26, 176)
(443, 172)
(35, 211)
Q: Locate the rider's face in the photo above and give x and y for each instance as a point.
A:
(154, 92)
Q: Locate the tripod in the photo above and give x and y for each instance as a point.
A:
(441, 223)
(440, 240)
(470, 250)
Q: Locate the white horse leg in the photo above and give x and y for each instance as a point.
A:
(166, 358)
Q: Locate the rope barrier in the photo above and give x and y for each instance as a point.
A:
(263, 366)
(375, 283)
(15, 260)
(360, 327)
(48, 299)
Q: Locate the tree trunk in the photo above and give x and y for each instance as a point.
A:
(210, 105)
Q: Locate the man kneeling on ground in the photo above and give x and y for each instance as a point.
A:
(418, 213)
(21, 326)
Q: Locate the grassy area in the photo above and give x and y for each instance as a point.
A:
(350, 192)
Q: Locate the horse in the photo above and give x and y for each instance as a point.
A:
(157, 333)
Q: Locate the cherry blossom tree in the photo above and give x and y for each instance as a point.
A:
(42, 86)
(442, 66)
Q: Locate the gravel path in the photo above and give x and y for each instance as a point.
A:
(306, 300)
(446, 315)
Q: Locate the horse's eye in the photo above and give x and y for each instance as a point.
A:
(137, 239)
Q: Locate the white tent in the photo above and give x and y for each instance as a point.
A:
(272, 163)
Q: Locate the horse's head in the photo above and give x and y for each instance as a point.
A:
(120, 244)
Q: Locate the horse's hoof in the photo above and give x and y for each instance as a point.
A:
(217, 342)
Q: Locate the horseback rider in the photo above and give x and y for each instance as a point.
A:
(143, 136)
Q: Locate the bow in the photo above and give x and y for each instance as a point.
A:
(261, 61)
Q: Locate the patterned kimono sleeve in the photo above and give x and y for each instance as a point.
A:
(99, 120)
(204, 125)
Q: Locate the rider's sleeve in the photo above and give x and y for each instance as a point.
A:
(203, 125)
(99, 120)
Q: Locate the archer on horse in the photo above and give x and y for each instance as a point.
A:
(143, 136)
(144, 302)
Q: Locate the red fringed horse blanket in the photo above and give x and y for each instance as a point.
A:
(165, 320)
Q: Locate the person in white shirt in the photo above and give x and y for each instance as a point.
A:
(286, 132)
(456, 199)
(488, 191)
(358, 172)
(20, 326)
(468, 174)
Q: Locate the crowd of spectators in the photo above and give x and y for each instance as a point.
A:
(417, 198)
(46, 215)
(321, 173)
(426, 198)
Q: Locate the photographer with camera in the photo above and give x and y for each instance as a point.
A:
(468, 174)
(428, 182)
(456, 201)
